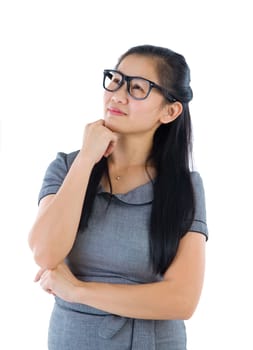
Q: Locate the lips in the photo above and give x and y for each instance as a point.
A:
(115, 111)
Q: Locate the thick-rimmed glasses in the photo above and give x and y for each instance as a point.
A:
(139, 88)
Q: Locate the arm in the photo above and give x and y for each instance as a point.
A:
(54, 230)
(176, 297)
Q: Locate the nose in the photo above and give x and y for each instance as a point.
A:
(120, 95)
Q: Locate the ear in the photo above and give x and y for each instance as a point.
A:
(170, 112)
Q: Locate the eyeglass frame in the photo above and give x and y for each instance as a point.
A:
(127, 79)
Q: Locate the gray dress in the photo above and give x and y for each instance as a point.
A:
(115, 249)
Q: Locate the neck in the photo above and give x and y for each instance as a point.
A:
(127, 165)
(130, 152)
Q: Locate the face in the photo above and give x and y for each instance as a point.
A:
(124, 114)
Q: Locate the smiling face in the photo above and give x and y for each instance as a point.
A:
(124, 114)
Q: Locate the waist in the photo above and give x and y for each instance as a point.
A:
(141, 334)
(82, 308)
(112, 277)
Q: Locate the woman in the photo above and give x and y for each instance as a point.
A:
(121, 228)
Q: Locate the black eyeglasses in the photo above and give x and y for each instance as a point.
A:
(139, 88)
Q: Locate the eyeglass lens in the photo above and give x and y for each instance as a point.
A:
(137, 87)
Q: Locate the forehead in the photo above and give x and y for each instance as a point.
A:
(138, 65)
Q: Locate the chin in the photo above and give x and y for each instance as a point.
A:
(110, 125)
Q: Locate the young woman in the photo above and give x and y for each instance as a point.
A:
(121, 229)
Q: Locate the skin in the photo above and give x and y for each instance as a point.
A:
(125, 136)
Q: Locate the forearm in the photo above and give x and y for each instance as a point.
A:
(160, 300)
(54, 230)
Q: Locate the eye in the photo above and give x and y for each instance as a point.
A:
(137, 86)
(115, 80)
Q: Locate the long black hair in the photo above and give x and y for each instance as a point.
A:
(173, 205)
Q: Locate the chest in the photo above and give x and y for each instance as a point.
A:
(116, 241)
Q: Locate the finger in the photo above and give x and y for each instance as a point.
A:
(50, 291)
(109, 149)
(111, 145)
(99, 121)
(39, 274)
(46, 283)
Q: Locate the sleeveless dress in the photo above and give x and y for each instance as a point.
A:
(114, 248)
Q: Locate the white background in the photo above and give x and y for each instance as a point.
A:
(52, 57)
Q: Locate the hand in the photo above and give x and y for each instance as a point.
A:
(98, 141)
(59, 281)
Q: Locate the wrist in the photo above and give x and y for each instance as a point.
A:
(85, 159)
(79, 292)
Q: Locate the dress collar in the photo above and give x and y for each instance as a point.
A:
(140, 195)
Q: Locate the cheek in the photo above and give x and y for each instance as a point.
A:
(145, 111)
(107, 97)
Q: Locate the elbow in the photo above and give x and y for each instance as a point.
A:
(43, 256)
(187, 309)
(30, 240)
(187, 314)
(45, 260)
(181, 313)
(184, 306)
(185, 300)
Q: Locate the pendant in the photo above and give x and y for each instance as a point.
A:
(117, 178)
